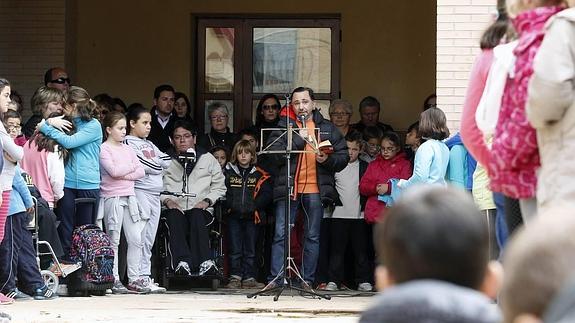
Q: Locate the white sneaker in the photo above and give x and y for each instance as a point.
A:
(365, 287)
(154, 287)
(331, 287)
(183, 269)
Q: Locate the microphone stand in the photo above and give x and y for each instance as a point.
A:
(289, 267)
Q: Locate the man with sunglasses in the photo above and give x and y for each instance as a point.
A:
(57, 78)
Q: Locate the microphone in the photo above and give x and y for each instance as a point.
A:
(189, 155)
(305, 133)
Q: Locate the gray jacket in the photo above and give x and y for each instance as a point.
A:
(431, 301)
(551, 111)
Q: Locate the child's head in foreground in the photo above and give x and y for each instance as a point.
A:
(435, 233)
(538, 263)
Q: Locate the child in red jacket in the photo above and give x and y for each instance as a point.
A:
(390, 163)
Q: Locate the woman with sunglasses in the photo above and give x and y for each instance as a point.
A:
(267, 115)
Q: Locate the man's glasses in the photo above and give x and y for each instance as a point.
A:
(271, 107)
(61, 80)
(185, 137)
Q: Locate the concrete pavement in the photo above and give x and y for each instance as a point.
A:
(204, 306)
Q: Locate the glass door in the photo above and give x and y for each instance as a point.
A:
(240, 60)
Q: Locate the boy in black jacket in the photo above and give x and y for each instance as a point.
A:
(248, 193)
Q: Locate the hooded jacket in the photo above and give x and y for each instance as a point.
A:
(551, 110)
(380, 171)
(335, 162)
(515, 156)
(248, 191)
(431, 301)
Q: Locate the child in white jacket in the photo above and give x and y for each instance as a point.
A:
(147, 188)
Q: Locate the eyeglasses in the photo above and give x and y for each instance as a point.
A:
(185, 137)
(14, 128)
(339, 114)
(271, 107)
(218, 117)
(388, 149)
(61, 80)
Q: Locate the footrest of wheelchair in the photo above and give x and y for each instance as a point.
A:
(65, 269)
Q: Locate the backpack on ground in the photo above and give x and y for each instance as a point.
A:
(92, 247)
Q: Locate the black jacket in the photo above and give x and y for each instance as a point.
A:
(214, 138)
(161, 136)
(30, 125)
(335, 162)
(362, 168)
(248, 191)
(361, 127)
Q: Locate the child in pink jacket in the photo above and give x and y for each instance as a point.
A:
(390, 163)
(515, 157)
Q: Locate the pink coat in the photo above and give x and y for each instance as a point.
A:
(470, 133)
(515, 156)
(380, 171)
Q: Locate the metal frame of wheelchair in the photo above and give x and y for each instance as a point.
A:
(162, 265)
(51, 279)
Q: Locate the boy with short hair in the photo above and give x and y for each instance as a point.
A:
(347, 226)
(539, 263)
(434, 244)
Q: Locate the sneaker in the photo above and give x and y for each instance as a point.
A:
(119, 288)
(331, 287)
(235, 282)
(5, 300)
(321, 286)
(154, 288)
(365, 287)
(44, 293)
(251, 283)
(17, 294)
(208, 267)
(139, 286)
(183, 269)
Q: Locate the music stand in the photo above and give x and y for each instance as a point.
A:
(289, 263)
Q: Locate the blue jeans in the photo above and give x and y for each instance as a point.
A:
(312, 209)
(70, 217)
(18, 257)
(242, 238)
(501, 231)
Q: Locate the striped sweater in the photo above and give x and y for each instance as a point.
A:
(154, 162)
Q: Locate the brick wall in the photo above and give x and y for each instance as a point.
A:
(460, 24)
(32, 39)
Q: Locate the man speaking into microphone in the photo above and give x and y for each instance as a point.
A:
(311, 173)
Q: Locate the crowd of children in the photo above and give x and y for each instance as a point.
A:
(394, 207)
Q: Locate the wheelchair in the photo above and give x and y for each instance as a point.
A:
(162, 263)
(51, 279)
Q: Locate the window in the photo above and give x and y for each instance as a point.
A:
(240, 60)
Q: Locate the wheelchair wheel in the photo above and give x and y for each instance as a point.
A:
(51, 280)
